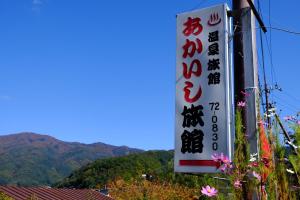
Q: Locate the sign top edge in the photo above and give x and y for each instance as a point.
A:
(225, 5)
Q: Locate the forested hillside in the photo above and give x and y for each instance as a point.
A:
(124, 177)
(30, 159)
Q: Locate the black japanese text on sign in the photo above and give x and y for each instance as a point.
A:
(192, 141)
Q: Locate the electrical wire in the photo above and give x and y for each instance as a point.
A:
(264, 70)
(287, 108)
(278, 29)
(291, 96)
(269, 44)
(270, 25)
(284, 30)
(287, 103)
(267, 91)
(269, 48)
(273, 73)
(260, 95)
(199, 4)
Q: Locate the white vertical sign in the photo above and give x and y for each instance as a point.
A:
(203, 100)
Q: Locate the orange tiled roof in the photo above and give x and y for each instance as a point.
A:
(42, 193)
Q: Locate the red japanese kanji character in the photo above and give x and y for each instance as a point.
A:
(192, 26)
(187, 72)
(187, 92)
(190, 48)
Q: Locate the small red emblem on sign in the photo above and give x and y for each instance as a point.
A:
(214, 19)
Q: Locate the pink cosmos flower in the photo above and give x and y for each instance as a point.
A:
(223, 168)
(298, 122)
(216, 157)
(220, 158)
(227, 168)
(256, 175)
(209, 191)
(246, 94)
(224, 161)
(241, 104)
(237, 184)
(286, 118)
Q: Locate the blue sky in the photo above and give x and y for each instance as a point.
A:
(93, 70)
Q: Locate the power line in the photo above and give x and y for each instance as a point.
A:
(280, 29)
(275, 28)
(291, 96)
(286, 103)
(199, 4)
(284, 106)
(284, 30)
(269, 46)
(273, 73)
(270, 32)
(264, 71)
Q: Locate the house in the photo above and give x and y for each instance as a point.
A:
(47, 193)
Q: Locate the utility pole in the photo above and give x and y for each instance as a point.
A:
(245, 68)
(245, 72)
(288, 138)
(238, 58)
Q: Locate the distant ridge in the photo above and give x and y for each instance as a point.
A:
(31, 159)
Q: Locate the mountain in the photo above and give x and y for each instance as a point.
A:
(100, 172)
(158, 164)
(124, 177)
(30, 159)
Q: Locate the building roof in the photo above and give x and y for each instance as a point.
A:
(42, 193)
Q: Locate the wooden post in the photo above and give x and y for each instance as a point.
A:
(245, 67)
(245, 73)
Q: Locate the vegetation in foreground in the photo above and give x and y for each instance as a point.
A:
(273, 173)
